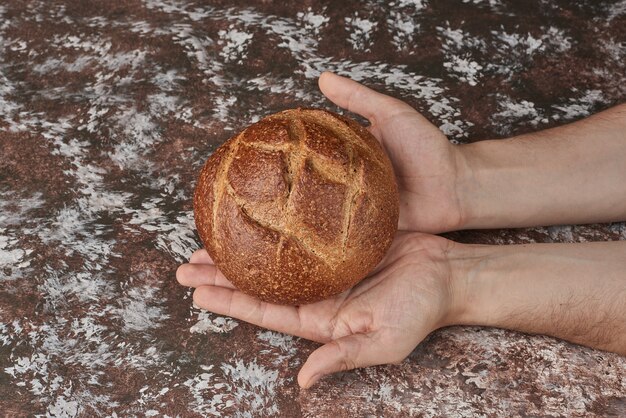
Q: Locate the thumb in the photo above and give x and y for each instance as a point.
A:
(355, 97)
(345, 353)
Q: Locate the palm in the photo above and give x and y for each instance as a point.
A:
(381, 302)
(378, 321)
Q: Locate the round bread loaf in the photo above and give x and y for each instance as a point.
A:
(298, 207)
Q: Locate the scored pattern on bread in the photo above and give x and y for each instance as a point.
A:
(299, 158)
(306, 196)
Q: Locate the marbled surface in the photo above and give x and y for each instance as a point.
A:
(108, 110)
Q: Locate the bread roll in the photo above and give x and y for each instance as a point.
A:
(298, 207)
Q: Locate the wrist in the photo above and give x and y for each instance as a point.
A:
(494, 184)
(472, 269)
(468, 185)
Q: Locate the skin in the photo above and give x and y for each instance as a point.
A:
(572, 174)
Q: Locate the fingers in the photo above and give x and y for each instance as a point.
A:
(345, 353)
(201, 257)
(195, 275)
(230, 302)
(357, 98)
(200, 271)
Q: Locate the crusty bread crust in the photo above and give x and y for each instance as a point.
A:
(298, 207)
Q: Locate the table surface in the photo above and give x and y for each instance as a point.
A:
(109, 109)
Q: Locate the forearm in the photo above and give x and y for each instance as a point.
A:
(567, 175)
(576, 292)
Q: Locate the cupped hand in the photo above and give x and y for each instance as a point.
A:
(379, 321)
(428, 167)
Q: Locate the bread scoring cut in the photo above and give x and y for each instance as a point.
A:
(298, 207)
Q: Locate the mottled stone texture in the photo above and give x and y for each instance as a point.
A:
(108, 110)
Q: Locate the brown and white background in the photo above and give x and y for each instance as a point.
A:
(108, 109)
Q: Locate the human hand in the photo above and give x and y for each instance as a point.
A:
(565, 175)
(379, 321)
(427, 166)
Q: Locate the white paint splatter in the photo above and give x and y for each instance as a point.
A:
(222, 110)
(63, 408)
(138, 136)
(179, 7)
(561, 233)
(253, 387)
(580, 106)
(208, 392)
(280, 346)
(235, 44)
(468, 70)
(180, 241)
(556, 39)
(516, 52)
(195, 47)
(11, 258)
(619, 228)
(491, 3)
(515, 41)
(141, 310)
(617, 9)
(59, 288)
(459, 41)
(458, 47)
(360, 30)
(515, 113)
(209, 322)
(312, 21)
(417, 5)
(403, 29)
